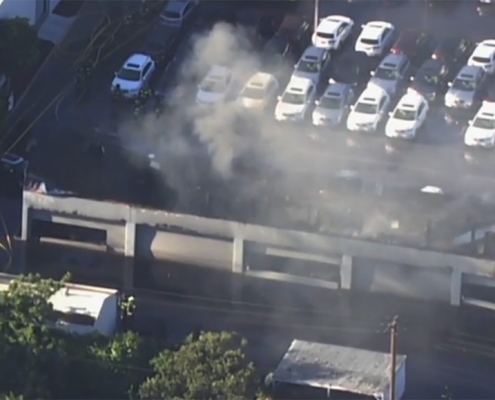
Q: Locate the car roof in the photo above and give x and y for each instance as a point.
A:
(374, 29)
(176, 5)
(373, 91)
(331, 23)
(431, 65)
(485, 48)
(299, 82)
(290, 22)
(218, 71)
(260, 79)
(335, 87)
(313, 51)
(137, 59)
(395, 59)
(411, 98)
(469, 70)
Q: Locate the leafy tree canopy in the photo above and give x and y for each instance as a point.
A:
(18, 45)
(213, 366)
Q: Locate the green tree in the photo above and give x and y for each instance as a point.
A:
(18, 45)
(212, 366)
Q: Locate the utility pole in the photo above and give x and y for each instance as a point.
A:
(316, 15)
(393, 356)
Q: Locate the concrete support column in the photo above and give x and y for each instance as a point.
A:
(20, 246)
(346, 272)
(129, 252)
(455, 288)
(237, 269)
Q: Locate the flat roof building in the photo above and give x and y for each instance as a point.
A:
(81, 309)
(337, 368)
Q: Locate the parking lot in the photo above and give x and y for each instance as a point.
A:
(205, 149)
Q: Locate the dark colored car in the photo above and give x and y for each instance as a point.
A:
(416, 45)
(454, 51)
(264, 24)
(278, 53)
(160, 45)
(296, 30)
(352, 68)
(431, 79)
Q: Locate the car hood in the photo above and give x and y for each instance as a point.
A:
(399, 125)
(424, 88)
(125, 85)
(210, 97)
(330, 114)
(313, 76)
(459, 94)
(361, 119)
(385, 84)
(480, 134)
(289, 109)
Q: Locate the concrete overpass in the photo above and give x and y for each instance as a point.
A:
(224, 245)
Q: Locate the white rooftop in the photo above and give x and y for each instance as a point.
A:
(335, 367)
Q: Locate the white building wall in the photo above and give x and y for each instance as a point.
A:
(106, 322)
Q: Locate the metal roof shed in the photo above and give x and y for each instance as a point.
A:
(333, 367)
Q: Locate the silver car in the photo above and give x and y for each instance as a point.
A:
(466, 89)
(391, 73)
(332, 107)
(177, 12)
(314, 64)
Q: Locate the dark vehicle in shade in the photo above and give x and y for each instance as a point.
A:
(454, 51)
(431, 80)
(160, 45)
(278, 55)
(416, 45)
(352, 68)
(296, 30)
(260, 24)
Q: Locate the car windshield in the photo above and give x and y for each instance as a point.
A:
(484, 123)
(371, 42)
(332, 103)
(129, 75)
(293, 98)
(366, 108)
(386, 74)
(324, 35)
(171, 15)
(482, 60)
(466, 85)
(213, 85)
(308, 66)
(253, 93)
(405, 115)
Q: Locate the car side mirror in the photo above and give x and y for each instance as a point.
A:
(390, 114)
(352, 107)
(470, 122)
(412, 78)
(449, 84)
(279, 98)
(372, 73)
(115, 73)
(317, 102)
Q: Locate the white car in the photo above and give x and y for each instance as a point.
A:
(375, 38)
(216, 86)
(369, 110)
(259, 92)
(332, 32)
(408, 117)
(481, 130)
(133, 76)
(298, 97)
(484, 56)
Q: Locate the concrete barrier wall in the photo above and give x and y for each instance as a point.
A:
(365, 265)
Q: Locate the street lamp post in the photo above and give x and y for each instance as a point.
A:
(316, 15)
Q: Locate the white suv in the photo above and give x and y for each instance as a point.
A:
(332, 32)
(133, 76)
(408, 117)
(481, 130)
(375, 38)
(484, 56)
(369, 110)
(294, 104)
